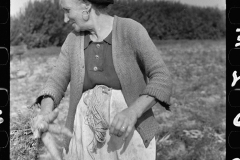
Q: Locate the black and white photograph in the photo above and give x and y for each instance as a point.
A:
(118, 80)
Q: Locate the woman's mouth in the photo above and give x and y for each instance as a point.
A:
(72, 23)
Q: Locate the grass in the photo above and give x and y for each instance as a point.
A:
(193, 130)
(198, 101)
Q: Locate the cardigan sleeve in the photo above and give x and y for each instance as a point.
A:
(59, 79)
(159, 83)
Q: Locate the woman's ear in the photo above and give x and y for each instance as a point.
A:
(87, 5)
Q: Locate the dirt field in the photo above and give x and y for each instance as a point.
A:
(195, 127)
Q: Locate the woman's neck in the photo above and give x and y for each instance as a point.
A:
(101, 27)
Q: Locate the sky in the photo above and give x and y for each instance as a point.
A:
(17, 5)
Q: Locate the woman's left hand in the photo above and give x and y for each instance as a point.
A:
(124, 122)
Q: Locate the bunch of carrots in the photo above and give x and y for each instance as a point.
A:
(43, 127)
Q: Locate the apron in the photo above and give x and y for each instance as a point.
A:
(92, 141)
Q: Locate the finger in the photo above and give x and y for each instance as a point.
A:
(117, 130)
(43, 126)
(36, 134)
(51, 146)
(128, 131)
(35, 105)
(33, 123)
(51, 116)
(124, 127)
(58, 129)
(113, 124)
(119, 134)
(38, 105)
(38, 108)
(40, 128)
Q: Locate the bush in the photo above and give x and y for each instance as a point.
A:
(173, 20)
(42, 24)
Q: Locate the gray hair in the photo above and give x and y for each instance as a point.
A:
(99, 8)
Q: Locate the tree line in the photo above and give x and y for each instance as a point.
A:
(42, 25)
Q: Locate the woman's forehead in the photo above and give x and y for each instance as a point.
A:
(67, 3)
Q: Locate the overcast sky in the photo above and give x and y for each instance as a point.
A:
(16, 5)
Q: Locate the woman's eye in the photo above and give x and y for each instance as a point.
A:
(66, 10)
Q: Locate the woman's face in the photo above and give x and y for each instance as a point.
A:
(73, 14)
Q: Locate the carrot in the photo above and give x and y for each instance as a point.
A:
(54, 128)
(52, 116)
(58, 129)
(51, 146)
(40, 123)
(46, 127)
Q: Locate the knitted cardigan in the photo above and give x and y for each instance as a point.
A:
(138, 65)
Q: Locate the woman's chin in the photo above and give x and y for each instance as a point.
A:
(76, 28)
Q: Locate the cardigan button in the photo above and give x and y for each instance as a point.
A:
(95, 68)
(98, 45)
(96, 56)
(1, 120)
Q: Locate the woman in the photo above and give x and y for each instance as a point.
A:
(116, 75)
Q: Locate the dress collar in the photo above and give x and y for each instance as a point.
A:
(88, 41)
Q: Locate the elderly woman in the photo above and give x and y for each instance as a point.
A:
(116, 76)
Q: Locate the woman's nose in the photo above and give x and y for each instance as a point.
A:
(66, 19)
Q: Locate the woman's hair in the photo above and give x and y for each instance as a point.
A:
(100, 8)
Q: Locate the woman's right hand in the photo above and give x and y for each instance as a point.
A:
(43, 126)
(44, 123)
(41, 122)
